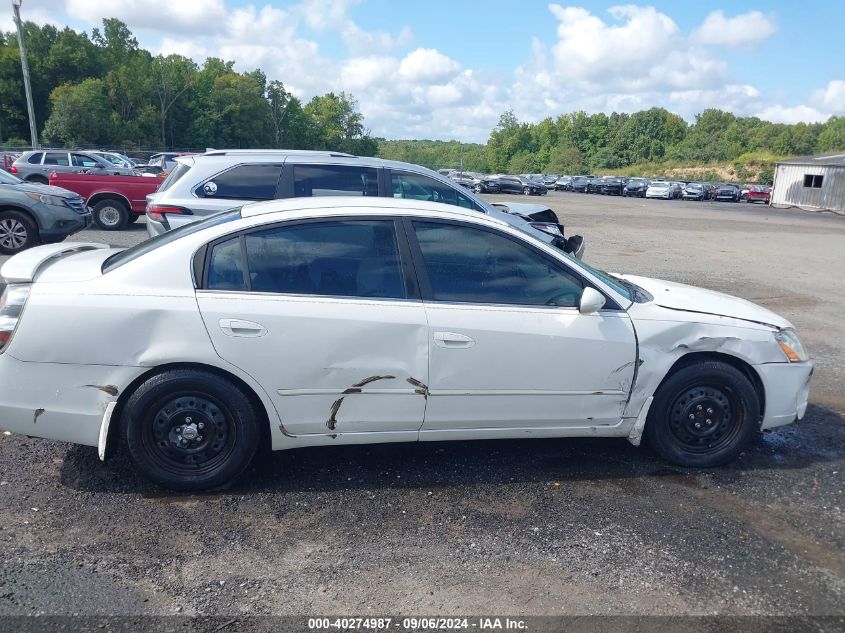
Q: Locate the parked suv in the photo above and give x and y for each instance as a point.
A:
(218, 180)
(37, 166)
(32, 214)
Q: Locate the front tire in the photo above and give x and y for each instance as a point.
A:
(703, 415)
(17, 232)
(526, 191)
(188, 429)
(110, 215)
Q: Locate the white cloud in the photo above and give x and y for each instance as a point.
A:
(426, 65)
(823, 104)
(791, 114)
(741, 30)
(832, 97)
(194, 17)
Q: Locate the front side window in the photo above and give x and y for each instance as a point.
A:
(352, 258)
(80, 160)
(471, 265)
(56, 158)
(334, 180)
(420, 187)
(244, 182)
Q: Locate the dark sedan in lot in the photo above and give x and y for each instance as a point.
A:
(479, 183)
(635, 187)
(729, 193)
(611, 186)
(520, 184)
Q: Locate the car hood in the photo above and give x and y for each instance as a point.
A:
(49, 190)
(676, 296)
(658, 186)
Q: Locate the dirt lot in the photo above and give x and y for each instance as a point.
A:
(516, 527)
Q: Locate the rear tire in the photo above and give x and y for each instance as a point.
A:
(189, 429)
(703, 415)
(110, 215)
(17, 232)
(526, 191)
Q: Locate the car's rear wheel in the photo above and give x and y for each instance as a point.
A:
(478, 189)
(17, 232)
(703, 415)
(190, 429)
(526, 191)
(111, 214)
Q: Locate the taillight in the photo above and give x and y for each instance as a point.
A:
(14, 169)
(11, 304)
(158, 211)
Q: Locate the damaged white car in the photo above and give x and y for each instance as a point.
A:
(356, 320)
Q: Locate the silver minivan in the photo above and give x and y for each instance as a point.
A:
(218, 180)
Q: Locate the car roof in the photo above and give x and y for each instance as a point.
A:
(351, 205)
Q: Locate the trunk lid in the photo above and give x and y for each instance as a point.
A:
(80, 261)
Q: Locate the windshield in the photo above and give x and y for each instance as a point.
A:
(8, 179)
(124, 257)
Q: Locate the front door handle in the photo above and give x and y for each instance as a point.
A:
(452, 340)
(238, 327)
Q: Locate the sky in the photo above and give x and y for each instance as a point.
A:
(447, 70)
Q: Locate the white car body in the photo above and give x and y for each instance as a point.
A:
(661, 190)
(429, 370)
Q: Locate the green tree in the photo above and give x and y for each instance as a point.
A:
(79, 114)
(172, 77)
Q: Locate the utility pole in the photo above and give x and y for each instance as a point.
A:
(16, 5)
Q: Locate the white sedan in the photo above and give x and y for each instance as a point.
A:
(355, 320)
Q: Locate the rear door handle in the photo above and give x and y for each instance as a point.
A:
(239, 327)
(452, 340)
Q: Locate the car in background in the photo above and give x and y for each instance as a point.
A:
(663, 189)
(348, 321)
(32, 214)
(694, 191)
(563, 183)
(550, 179)
(635, 187)
(36, 166)
(224, 179)
(165, 161)
(580, 183)
(759, 193)
(477, 182)
(116, 158)
(115, 201)
(727, 193)
(593, 184)
(611, 186)
(521, 184)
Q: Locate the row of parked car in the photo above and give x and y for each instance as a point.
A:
(660, 188)
(497, 183)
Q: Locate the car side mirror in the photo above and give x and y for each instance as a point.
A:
(591, 301)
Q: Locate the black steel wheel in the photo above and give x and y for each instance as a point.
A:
(190, 429)
(703, 415)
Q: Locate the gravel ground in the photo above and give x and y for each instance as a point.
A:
(511, 527)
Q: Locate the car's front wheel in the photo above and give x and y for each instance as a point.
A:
(526, 191)
(190, 429)
(17, 232)
(703, 415)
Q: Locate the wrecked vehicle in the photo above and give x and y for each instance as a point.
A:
(321, 321)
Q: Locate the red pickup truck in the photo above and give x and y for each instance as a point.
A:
(115, 201)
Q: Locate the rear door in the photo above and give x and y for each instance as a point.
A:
(58, 162)
(325, 315)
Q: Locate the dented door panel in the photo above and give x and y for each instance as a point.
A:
(528, 367)
(331, 365)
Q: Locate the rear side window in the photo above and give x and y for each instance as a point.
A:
(225, 266)
(56, 158)
(178, 171)
(244, 182)
(355, 258)
(469, 265)
(334, 180)
(35, 159)
(420, 187)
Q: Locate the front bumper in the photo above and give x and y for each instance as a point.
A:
(59, 401)
(787, 390)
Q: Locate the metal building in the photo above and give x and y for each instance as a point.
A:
(811, 182)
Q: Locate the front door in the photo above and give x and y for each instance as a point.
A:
(509, 348)
(320, 314)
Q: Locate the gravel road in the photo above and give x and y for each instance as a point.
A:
(511, 527)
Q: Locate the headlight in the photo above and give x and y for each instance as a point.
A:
(547, 227)
(791, 346)
(55, 201)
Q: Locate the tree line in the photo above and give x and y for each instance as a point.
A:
(104, 90)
